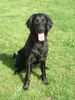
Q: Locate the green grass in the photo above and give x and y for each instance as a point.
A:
(61, 56)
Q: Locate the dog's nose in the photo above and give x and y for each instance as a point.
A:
(41, 27)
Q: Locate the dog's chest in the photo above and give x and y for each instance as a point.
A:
(40, 49)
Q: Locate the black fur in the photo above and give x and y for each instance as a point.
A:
(34, 52)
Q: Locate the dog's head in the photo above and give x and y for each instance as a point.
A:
(39, 23)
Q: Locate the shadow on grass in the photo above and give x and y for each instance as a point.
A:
(10, 62)
(7, 60)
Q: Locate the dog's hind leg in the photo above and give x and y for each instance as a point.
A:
(18, 69)
(19, 63)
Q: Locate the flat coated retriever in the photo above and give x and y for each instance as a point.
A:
(35, 50)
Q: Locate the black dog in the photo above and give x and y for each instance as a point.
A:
(35, 51)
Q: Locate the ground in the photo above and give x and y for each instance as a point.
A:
(61, 55)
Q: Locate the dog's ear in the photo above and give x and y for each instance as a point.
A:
(29, 22)
(49, 23)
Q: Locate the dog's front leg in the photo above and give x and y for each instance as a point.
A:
(27, 77)
(29, 62)
(43, 70)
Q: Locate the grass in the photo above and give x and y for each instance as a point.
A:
(61, 56)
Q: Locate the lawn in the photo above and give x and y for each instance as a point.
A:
(61, 55)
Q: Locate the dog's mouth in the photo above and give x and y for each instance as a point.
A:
(41, 36)
(40, 31)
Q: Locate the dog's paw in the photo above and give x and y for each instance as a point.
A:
(26, 85)
(15, 72)
(45, 81)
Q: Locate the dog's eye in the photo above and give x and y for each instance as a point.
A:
(36, 21)
(43, 20)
